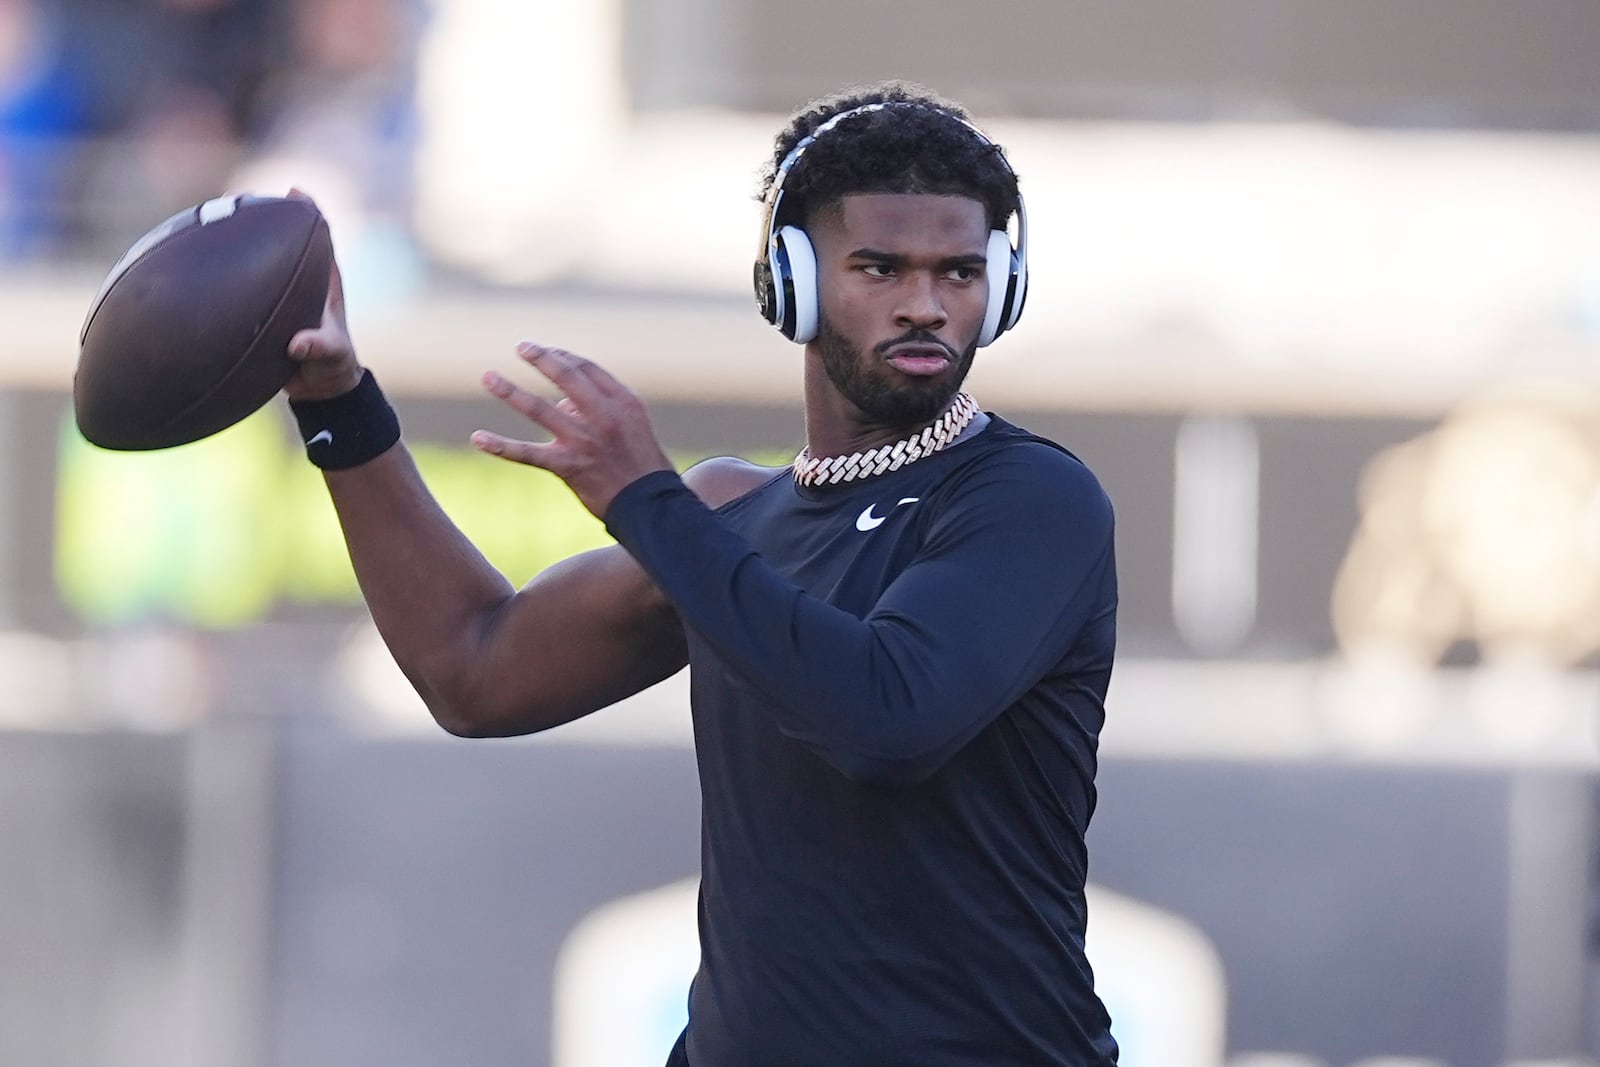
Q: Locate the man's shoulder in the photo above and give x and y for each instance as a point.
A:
(1019, 478)
(1015, 454)
(722, 479)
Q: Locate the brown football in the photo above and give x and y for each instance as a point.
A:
(190, 331)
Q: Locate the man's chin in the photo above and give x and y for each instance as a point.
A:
(887, 395)
(911, 405)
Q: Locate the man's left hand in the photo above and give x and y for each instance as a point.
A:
(602, 437)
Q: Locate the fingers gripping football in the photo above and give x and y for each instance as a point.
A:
(324, 354)
(601, 437)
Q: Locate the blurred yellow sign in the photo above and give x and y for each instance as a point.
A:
(220, 532)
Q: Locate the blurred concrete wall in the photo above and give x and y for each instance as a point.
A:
(280, 892)
(1424, 62)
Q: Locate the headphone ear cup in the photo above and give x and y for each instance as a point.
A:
(766, 291)
(1016, 292)
(1001, 270)
(795, 267)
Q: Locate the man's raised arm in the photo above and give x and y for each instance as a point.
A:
(487, 659)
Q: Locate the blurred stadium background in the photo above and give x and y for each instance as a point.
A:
(1316, 292)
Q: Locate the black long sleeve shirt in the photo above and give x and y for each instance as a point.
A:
(897, 690)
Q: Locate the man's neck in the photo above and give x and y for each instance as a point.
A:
(836, 427)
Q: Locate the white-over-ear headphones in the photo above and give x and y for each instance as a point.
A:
(786, 269)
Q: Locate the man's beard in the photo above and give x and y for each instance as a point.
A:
(908, 402)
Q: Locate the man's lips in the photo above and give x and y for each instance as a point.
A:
(918, 358)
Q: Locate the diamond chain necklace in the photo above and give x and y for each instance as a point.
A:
(933, 438)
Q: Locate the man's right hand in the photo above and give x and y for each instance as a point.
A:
(325, 353)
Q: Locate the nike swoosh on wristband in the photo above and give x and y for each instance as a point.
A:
(868, 521)
(321, 437)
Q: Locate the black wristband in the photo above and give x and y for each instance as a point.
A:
(349, 429)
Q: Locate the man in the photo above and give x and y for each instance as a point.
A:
(899, 646)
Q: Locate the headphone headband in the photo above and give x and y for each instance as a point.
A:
(785, 269)
(775, 193)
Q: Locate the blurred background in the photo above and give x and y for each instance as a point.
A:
(1316, 292)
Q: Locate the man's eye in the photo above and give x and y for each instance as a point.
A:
(962, 274)
(879, 270)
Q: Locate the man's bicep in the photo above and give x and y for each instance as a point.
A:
(582, 634)
(592, 629)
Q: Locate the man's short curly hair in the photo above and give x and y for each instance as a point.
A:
(922, 145)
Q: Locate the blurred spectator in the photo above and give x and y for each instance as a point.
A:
(123, 47)
(339, 121)
(42, 106)
(177, 83)
(180, 148)
(344, 101)
(115, 113)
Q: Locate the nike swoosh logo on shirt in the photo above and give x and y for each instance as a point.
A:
(868, 521)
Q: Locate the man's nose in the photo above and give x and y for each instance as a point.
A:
(920, 304)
